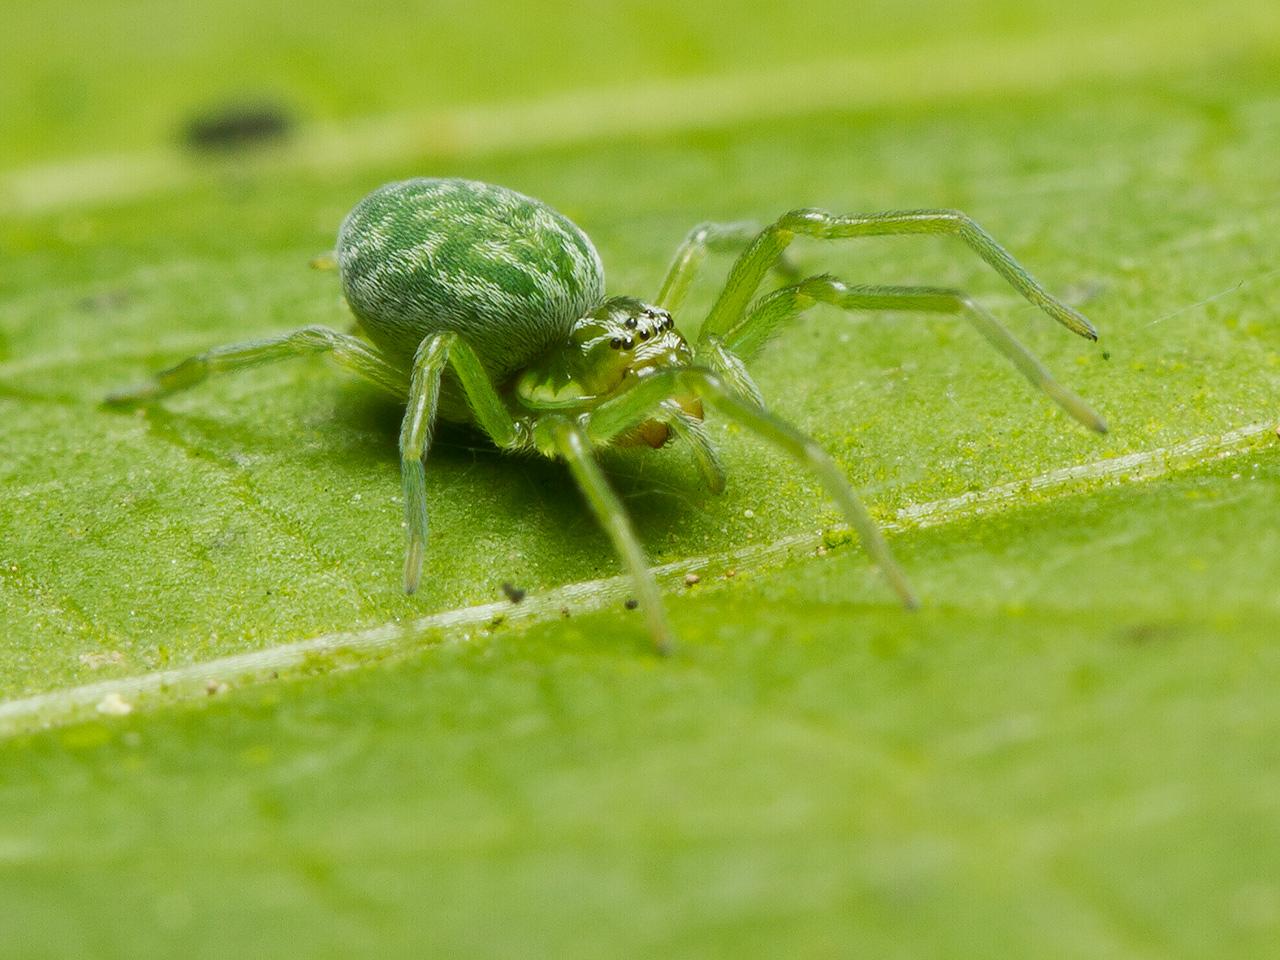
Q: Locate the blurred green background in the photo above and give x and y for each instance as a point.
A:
(1070, 752)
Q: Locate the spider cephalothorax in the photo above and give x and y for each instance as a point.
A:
(621, 341)
(508, 296)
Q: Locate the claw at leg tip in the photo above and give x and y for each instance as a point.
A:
(413, 564)
(412, 576)
(1090, 418)
(1082, 325)
(664, 642)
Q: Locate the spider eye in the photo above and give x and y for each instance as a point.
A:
(631, 323)
(615, 343)
(630, 342)
(644, 334)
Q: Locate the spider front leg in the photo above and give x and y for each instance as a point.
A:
(750, 268)
(624, 412)
(556, 434)
(745, 338)
(693, 432)
(433, 355)
(350, 352)
(703, 239)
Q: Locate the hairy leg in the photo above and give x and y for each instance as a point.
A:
(693, 432)
(433, 355)
(750, 268)
(350, 352)
(569, 441)
(703, 239)
(712, 353)
(771, 312)
(637, 404)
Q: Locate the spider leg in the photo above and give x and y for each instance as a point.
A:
(570, 442)
(703, 239)
(623, 412)
(749, 269)
(692, 430)
(348, 351)
(770, 312)
(729, 366)
(433, 355)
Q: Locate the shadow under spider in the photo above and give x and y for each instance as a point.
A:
(659, 491)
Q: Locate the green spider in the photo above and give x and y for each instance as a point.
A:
(485, 306)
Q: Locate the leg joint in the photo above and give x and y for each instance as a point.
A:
(432, 349)
(316, 337)
(805, 218)
(821, 286)
(701, 234)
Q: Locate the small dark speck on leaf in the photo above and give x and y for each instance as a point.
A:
(564, 612)
(1106, 354)
(631, 603)
(513, 593)
(234, 126)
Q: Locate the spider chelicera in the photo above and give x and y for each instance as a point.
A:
(484, 306)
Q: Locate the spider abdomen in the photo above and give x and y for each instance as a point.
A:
(502, 270)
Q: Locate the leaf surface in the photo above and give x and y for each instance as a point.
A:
(1068, 752)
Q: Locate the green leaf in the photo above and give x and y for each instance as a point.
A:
(1069, 752)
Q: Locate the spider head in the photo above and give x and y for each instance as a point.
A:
(608, 350)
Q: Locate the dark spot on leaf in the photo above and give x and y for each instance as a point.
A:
(231, 127)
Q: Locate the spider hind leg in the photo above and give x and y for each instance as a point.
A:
(347, 351)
